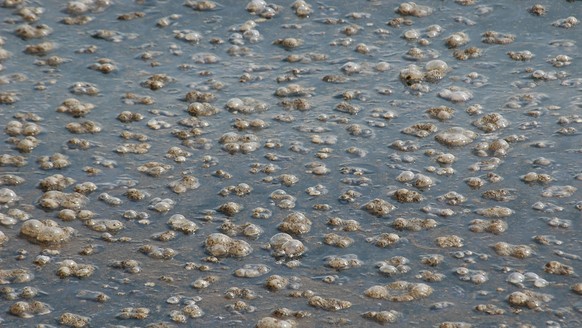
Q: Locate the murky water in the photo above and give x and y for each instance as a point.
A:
(442, 194)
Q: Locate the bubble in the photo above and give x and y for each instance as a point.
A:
(495, 212)
(449, 241)
(348, 108)
(395, 265)
(520, 55)
(444, 212)
(557, 222)
(412, 9)
(422, 181)
(276, 282)
(336, 240)
(252, 270)
(493, 37)
(205, 282)
(302, 8)
(456, 94)
(329, 304)
(475, 276)
(244, 293)
(230, 208)
(528, 299)
(495, 226)
(413, 224)
(537, 10)
(8, 197)
(104, 65)
(497, 147)
(282, 199)
(295, 223)
(30, 309)
(139, 313)
(188, 182)
(559, 191)
(452, 198)
(26, 144)
(233, 143)
(46, 231)
(567, 22)
(455, 324)
(79, 20)
(430, 276)
(547, 240)
(446, 159)
(218, 244)
(577, 288)
(436, 65)
(345, 225)
(455, 137)
(349, 196)
(516, 278)
(110, 200)
(12, 160)
(491, 122)
(27, 31)
(161, 205)
(343, 262)
(283, 244)
(156, 252)
(407, 196)
(379, 207)
(84, 127)
(558, 268)
(74, 320)
(104, 225)
(411, 74)
(420, 130)
(384, 239)
(457, 39)
(129, 266)
(15, 128)
(70, 268)
(179, 222)
(399, 291)
(269, 322)
(405, 176)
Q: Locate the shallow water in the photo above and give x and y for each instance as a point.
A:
(382, 106)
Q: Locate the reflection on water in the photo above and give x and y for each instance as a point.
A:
(290, 164)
